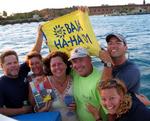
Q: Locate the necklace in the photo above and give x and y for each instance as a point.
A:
(59, 83)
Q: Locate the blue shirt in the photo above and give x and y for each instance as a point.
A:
(138, 111)
(130, 74)
(14, 91)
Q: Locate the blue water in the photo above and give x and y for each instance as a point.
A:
(136, 29)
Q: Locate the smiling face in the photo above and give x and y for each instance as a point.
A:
(82, 65)
(110, 99)
(36, 65)
(58, 67)
(11, 66)
(116, 48)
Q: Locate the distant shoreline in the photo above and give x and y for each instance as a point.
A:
(20, 21)
(29, 20)
(48, 14)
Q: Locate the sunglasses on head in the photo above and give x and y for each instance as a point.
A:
(108, 84)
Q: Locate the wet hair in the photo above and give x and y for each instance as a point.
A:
(62, 55)
(113, 83)
(33, 54)
(7, 53)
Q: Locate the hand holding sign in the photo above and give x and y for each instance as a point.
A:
(70, 31)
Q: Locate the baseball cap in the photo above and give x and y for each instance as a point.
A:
(117, 35)
(78, 53)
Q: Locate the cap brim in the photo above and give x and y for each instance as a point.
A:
(110, 36)
(71, 58)
(121, 39)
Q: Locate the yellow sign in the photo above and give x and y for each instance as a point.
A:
(70, 31)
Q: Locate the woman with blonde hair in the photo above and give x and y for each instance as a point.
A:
(121, 106)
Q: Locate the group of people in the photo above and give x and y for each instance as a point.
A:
(111, 95)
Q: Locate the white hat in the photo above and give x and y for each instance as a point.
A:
(78, 53)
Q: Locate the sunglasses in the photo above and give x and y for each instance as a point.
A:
(108, 84)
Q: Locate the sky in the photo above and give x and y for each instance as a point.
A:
(19, 6)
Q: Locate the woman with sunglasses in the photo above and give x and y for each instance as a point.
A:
(120, 105)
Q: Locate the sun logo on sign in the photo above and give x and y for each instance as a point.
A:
(59, 31)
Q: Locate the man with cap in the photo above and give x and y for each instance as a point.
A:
(123, 68)
(85, 78)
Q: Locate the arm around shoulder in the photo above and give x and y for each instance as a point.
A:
(143, 99)
(108, 64)
(107, 73)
